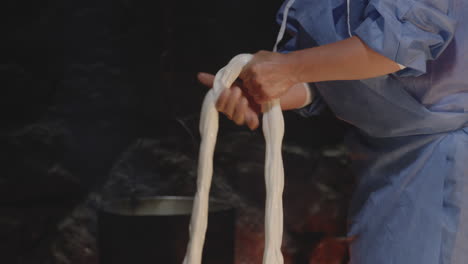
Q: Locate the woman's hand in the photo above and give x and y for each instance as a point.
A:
(235, 103)
(268, 75)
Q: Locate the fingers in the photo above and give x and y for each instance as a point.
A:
(237, 107)
(222, 100)
(233, 101)
(254, 88)
(240, 111)
(268, 75)
(252, 120)
(206, 79)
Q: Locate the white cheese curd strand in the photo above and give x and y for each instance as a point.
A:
(273, 129)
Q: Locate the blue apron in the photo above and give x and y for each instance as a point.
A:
(411, 143)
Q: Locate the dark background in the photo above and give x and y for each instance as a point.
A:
(82, 81)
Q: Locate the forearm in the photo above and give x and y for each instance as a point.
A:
(349, 59)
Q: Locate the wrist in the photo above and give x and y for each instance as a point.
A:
(292, 62)
(291, 68)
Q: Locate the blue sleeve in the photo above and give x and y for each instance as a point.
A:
(317, 104)
(409, 32)
(291, 29)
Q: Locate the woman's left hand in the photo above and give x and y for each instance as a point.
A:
(268, 76)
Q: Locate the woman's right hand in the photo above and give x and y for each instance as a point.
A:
(235, 103)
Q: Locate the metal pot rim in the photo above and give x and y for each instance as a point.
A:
(158, 206)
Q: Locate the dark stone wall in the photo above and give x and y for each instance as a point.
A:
(89, 77)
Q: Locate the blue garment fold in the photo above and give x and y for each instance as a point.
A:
(410, 144)
(409, 32)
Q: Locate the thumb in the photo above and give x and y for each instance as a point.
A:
(206, 79)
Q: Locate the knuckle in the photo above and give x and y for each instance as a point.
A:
(244, 102)
(236, 93)
(236, 89)
(219, 105)
(222, 96)
(259, 80)
(228, 111)
(254, 69)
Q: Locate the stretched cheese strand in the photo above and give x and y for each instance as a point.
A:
(273, 129)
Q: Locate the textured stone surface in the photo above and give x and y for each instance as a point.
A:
(316, 193)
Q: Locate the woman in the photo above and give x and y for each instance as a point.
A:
(398, 71)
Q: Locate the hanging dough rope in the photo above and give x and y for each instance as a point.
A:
(273, 130)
